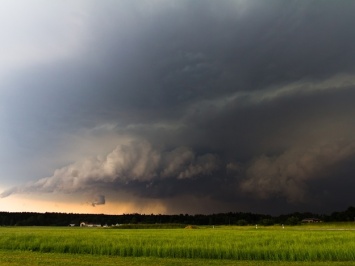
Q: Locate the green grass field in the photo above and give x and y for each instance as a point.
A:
(322, 244)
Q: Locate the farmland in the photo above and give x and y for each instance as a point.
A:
(324, 244)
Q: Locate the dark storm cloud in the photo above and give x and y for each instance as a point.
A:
(98, 200)
(148, 62)
(241, 103)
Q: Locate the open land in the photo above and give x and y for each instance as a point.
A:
(321, 244)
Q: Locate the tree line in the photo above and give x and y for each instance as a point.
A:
(230, 218)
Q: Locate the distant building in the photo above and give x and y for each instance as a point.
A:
(84, 224)
(311, 220)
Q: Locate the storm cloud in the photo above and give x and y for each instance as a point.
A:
(98, 200)
(136, 160)
(235, 105)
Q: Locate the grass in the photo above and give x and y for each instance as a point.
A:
(149, 226)
(325, 244)
(28, 258)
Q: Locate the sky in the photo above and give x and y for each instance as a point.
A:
(177, 106)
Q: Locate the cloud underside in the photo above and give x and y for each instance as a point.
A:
(281, 159)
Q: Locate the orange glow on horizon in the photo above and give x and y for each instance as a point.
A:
(42, 203)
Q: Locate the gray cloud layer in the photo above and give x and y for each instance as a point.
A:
(240, 103)
(135, 161)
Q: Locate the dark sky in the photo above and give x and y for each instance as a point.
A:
(177, 106)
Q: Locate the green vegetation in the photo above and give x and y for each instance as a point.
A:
(149, 226)
(321, 243)
(27, 258)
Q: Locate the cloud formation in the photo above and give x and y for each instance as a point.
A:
(235, 104)
(288, 173)
(136, 160)
(98, 200)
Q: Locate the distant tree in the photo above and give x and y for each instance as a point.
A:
(293, 220)
(266, 222)
(242, 222)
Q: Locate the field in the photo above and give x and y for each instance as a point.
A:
(322, 244)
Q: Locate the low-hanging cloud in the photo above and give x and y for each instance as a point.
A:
(287, 174)
(98, 200)
(136, 160)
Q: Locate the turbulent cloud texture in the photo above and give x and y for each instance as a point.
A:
(191, 105)
(134, 161)
(288, 173)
